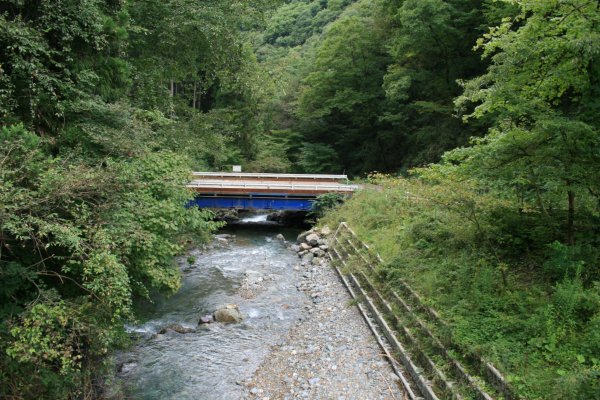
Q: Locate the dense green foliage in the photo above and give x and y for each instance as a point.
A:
(506, 284)
(105, 107)
(326, 203)
(374, 88)
(501, 236)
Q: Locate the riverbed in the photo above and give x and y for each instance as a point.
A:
(253, 270)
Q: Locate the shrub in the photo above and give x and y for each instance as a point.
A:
(519, 296)
(77, 242)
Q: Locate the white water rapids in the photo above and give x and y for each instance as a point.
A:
(255, 218)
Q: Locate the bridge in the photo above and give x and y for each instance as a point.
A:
(253, 191)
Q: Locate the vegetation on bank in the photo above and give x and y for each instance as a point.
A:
(80, 241)
(105, 107)
(497, 269)
(502, 235)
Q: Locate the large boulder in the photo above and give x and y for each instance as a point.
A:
(325, 231)
(313, 239)
(302, 237)
(291, 218)
(226, 215)
(221, 241)
(317, 252)
(228, 314)
(274, 217)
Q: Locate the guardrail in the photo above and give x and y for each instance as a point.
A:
(251, 175)
(409, 325)
(272, 186)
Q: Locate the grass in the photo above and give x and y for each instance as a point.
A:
(441, 239)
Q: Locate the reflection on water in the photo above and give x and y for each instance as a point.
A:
(206, 364)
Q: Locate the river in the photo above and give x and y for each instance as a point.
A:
(256, 272)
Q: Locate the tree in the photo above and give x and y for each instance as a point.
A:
(58, 53)
(430, 46)
(341, 96)
(93, 166)
(542, 90)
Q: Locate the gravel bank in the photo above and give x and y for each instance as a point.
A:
(329, 354)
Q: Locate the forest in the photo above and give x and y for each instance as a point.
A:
(479, 120)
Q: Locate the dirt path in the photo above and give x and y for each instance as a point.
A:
(329, 354)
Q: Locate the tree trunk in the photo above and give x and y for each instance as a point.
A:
(382, 152)
(571, 216)
(172, 88)
(194, 101)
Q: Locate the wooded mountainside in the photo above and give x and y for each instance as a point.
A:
(106, 106)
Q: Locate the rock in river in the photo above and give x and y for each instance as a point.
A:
(127, 366)
(206, 319)
(228, 314)
(176, 328)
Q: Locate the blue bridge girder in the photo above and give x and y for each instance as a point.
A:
(254, 201)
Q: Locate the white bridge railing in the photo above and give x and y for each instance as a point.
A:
(272, 186)
(280, 183)
(268, 176)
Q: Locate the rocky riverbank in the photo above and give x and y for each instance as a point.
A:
(330, 353)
